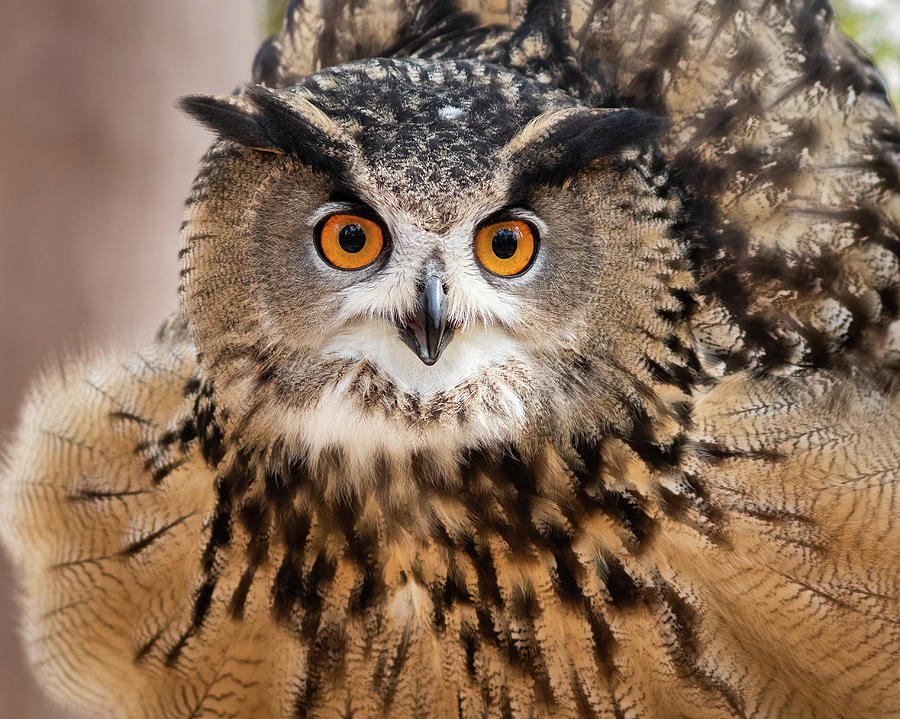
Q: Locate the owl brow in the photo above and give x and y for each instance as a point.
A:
(264, 120)
(344, 197)
(575, 142)
(297, 134)
(344, 191)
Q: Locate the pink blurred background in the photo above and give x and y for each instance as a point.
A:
(95, 164)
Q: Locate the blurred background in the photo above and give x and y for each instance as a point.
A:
(95, 164)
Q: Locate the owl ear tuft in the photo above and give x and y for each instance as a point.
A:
(274, 121)
(554, 146)
(230, 118)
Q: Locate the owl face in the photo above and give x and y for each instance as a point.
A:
(429, 244)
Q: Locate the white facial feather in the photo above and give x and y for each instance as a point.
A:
(472, 350)
(338, 420)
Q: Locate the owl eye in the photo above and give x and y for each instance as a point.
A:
(506, 248)
(350, 242)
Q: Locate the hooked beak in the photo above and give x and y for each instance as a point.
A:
(427, 333)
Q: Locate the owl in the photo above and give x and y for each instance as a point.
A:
(532, 360)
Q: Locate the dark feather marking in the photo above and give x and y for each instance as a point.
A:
(568, 570)
(141, 544)
(589, 453)
(727, 10)
(192, 386)
(175, 651)
(94, 495)
(686, 653)
(201, 605)
(129, 417)
(646, 88)
(726, 271)
(631, 511)
(604, 649)
(675, 505)
(279, 491)
(262, 502)
(623, 590)
(746, 60)
(209, 432)
(231, 486)
(673, 374)
(325, 647)
(549, 20)
(202, 602)
(147, 646)
(776, 516)
(187, 433)
(239, 597)
(890, 301)
(717, 121)
(388, 669)
(702, 498)
(254, 517)
(163, 471)
(658, 456)
(163, 441)
(435, 21)
(372, 588)
(713, 454)
(286, 588)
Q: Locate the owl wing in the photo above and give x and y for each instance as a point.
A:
(788, 153)
(102, 498)
(782, 134)
(793, 609)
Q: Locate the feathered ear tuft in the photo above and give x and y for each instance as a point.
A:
(274, 121)
(229, 117)
(553, 147)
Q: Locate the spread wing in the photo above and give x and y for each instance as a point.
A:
(784, 138)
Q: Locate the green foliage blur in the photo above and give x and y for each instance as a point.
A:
(873, 24)
(275, 10)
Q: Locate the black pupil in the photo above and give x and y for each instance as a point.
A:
(504, 243)
(352, 238)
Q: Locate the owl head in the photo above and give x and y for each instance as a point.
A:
(401, 252)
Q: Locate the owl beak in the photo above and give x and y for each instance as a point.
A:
(427, 333)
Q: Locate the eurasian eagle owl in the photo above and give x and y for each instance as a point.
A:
(532, 361)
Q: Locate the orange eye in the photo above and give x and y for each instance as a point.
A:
(505, 248)
(350, 242)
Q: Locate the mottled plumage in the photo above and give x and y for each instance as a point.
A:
(652, 475)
